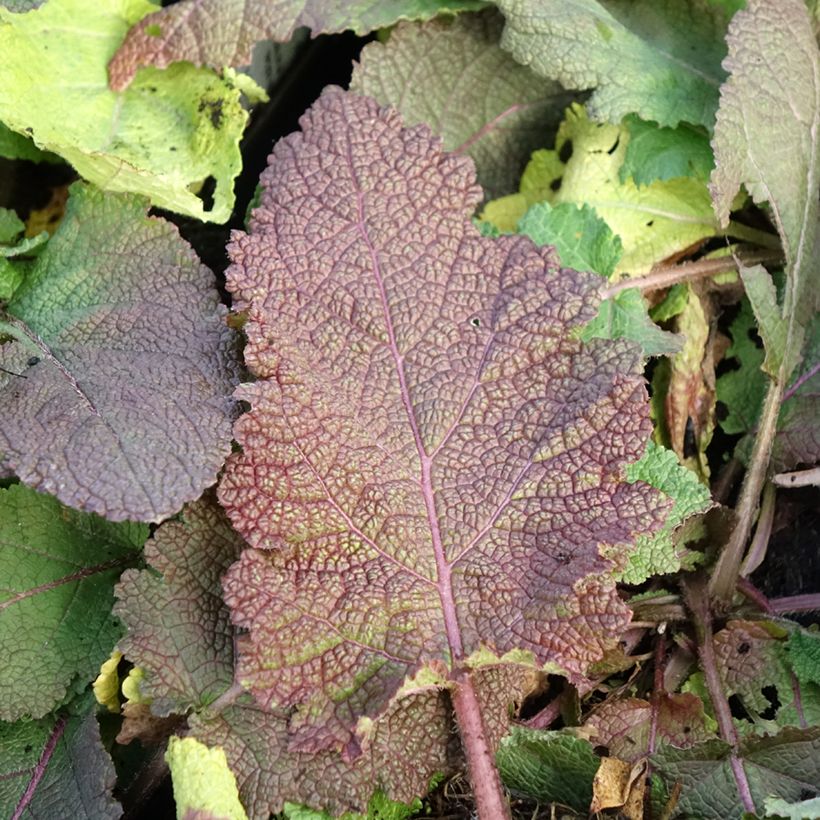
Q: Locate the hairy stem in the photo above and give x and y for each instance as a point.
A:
(702, 618)
(796, 603)
(491, 803)
(724, 578)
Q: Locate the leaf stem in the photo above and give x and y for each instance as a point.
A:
(796, 603)
(760, 542)
(799, 478)
(702, 618)
(664, 276)
(724, 578)
(491, 803)
(754, 235)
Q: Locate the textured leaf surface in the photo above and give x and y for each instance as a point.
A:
(804, 655)
(623, 725)
(665, 153)
(163, 137)
(179, 631)
(585, 242)
(453, 76)
(663, 552)
(58, 569)
(56, 767)
(124, 409)
(785, 765)
(657, 58)
(222, 32)
(432, 464)
(551, 767)
(202, 780)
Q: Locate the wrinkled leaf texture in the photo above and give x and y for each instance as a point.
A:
(222, 32)
(433, 464)
(124, 365)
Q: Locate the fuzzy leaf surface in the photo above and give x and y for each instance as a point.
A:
(56, 767)
(784, 765)
(551, 767)
(455, 77)
(58, 568)
(162, 137)
(125, 406)
(768, 42)
(657, 58)
(432, 464)
(222, 32)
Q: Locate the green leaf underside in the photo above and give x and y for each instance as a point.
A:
(178, 603)
(661, 553)
(56, 767)
(119, 333)
(551, 767)
(202, 780)
(362, 401)
(18, 146)
(163, 137)
(223, 32)
(657, 58)
(784, 765)
(454, 77)
(655, 153)
(58, 568)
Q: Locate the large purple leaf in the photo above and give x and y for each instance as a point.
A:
(118, 365)
(433, 465)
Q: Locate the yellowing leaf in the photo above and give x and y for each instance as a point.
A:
(202, 780)
(163, 137)
(107, 683)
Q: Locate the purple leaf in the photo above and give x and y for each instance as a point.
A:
(433, 465)
(115, 393)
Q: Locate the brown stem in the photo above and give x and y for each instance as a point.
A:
(798, 478)
(702, 619)
(665, 276)
(490, 800)
(725, 575)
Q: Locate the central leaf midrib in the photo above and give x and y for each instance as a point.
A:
(444, 580)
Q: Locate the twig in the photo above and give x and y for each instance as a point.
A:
(702, 617)
(665, 276)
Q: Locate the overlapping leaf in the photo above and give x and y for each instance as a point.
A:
(220, 33)
(58, 568)
(117, 366)
(657, 58)
(163, 137)
(453, 76)
(432, 463)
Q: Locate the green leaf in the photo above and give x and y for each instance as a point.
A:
(58, 567)
(769, 41)
(380, 807)
(770, 323)
(453, 75)
(804, 655)
(202, 780)
(663, 552)
(656, 153)
(804, 810)
(551, 767)
(57, 768)
(783, 765)
(10, 226)
(583, 240)
(624, 316)
(658, 58)
(163, 137)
